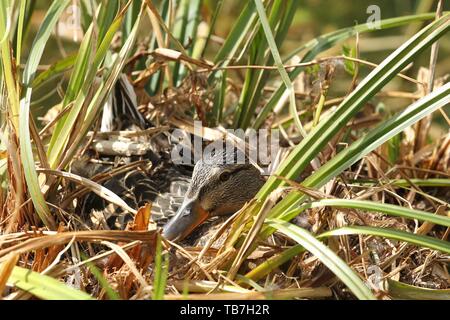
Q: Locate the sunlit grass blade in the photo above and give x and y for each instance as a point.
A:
(29, 73)
(95, 187)
(103, 91)
(277, 58)
(112, 295)
(376, 137)
(55, 69)
(430, 182)
(389, 209)
(309, 147)
(185, 30)
(20, 29)
(326, 256)
(76, 82)
(23, 26)
(237, 35)
(161, 271)
(418, 240)
(6, 60)
(323, 42)
(106, 17)
(398, 290)
(41, 40)
(44, 287)
(65, 125)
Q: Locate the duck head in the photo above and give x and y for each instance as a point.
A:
(219, 186)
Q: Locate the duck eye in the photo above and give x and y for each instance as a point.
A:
(224, 176)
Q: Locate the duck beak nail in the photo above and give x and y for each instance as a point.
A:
(188, 217)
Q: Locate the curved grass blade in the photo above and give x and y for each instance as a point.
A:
(266, 25)
(161, 271)
(419, 240)
(399, 290)
(8, 75)
(309, 147)
(326, 256)
(432, 182)
(66, 124)
(389, 209)
(237, 35)
(41, 40)
(376, 137)
(103, 91)
(29, 72)
(321, 43)
(326, 41)
(101, 191)
(55, 69)
(44, 287)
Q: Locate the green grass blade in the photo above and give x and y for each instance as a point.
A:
(41, 40)
(102, 92)
(55, 69)
(185, 30)
(77, 80)
(106, 17)
(326, 256)
(161, 271)
(237, 35)
(418, 240)
(65, 125)
(44, 287)
(29, 72)
(274, 262)
(130, 18)
(212, 26)
(112, 295)
(80, 68)
(376, 137)
(432, 182)
(326, 41)
(20, 29)
(398, 290)
(309, 147)
(277, 58)
(8, 75)
(388, 209)
(321, 43)
(227, 52)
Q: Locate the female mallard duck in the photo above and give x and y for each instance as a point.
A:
(220, 184)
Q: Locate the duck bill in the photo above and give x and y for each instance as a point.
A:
(188, 217)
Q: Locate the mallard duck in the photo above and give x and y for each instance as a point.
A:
(218, 185)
